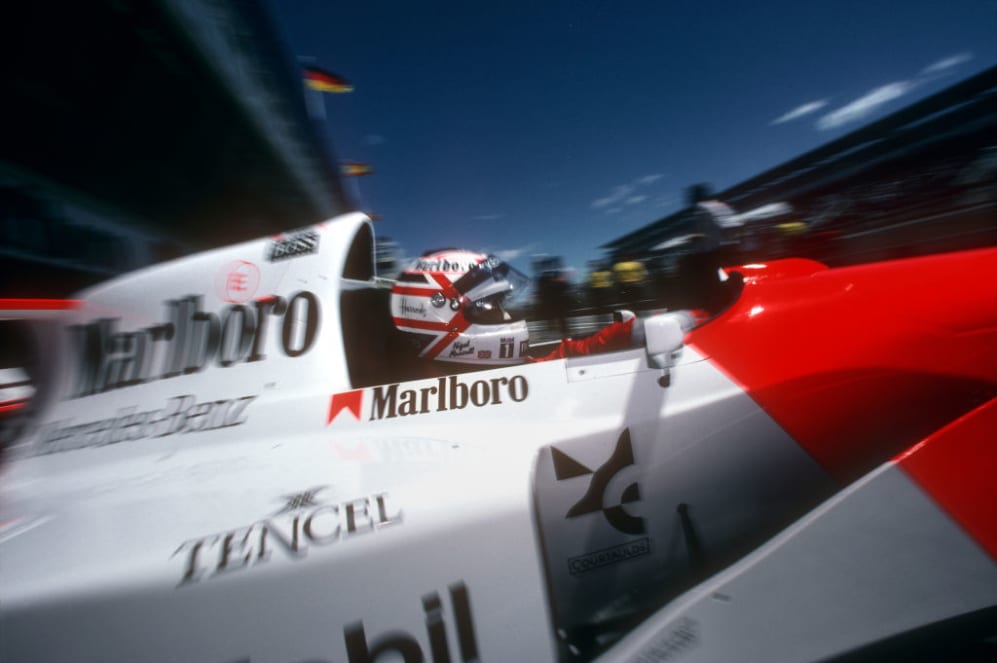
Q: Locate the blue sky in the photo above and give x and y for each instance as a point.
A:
(524, 128)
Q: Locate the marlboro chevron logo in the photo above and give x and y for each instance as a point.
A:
(447, 393)
(190, 340)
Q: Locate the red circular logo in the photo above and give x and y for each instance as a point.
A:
(238, 282)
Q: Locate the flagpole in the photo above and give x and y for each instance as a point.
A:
(356, 185)
(356, 192)
(317, 83)
(315, 102)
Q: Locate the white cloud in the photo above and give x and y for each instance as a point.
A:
(800, 111)
(623, 194)
(617, 195)
(874, 99)
(488, 217)
(864, 105)
(947, 63)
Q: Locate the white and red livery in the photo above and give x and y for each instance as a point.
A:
(217, 475)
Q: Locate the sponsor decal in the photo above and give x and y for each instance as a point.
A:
(484, 354)
(293, 245)
(444, 265)
(361, 649)
(524, 348)
(408, 308)
(607, 556)
(398, 645)
(461, 349)
(681, 637)
(238, 282)
(566, 467)
(190, 341)
(448, 393)
(303, 522)
(181, 414)
(298, 501)
(351, 401)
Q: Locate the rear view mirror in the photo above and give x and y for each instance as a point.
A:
(663, 337)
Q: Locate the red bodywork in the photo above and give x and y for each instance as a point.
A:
(956, 466)
(859, 364)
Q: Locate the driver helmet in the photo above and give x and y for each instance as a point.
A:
(450, 305)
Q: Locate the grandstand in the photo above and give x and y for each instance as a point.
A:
(921, 180)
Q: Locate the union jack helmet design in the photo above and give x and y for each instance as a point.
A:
(451, 304)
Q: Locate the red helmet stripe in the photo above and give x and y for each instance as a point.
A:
(457, 326)
(449, 330)
(431, 325)
(461, 326)
(449, 291)
(447, 288)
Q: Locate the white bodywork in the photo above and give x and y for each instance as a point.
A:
(259, 506)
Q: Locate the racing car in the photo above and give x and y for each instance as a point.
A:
(222, 466)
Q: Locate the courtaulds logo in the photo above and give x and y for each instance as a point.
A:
(566, 467)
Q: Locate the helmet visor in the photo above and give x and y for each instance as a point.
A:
(491, 311)
(493, 288)
(491, 272)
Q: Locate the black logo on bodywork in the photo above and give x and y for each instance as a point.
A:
(190, 341)
(566, 467)
(614, 555)
(305, 522)
(299, 501)
(292, 245)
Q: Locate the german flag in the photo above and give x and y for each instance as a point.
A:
(324, 81)
(355, 168)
